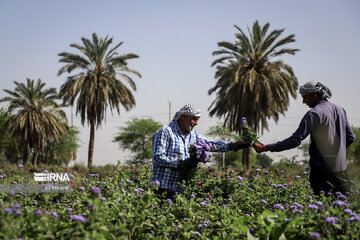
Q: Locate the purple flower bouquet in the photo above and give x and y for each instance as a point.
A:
(199, 152)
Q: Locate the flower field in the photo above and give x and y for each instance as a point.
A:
(262, 205)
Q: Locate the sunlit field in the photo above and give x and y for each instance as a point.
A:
(122, 205)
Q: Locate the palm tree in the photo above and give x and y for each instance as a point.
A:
(251, 81)
(35, 116)
(96, 82)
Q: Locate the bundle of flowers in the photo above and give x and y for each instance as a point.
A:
(199, 152)
(247, 133)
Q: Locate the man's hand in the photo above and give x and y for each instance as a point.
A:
(188, 163)
(259, 147)
(235, 146)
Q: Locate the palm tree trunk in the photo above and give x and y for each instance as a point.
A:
(26, 154)
(91, 143)
(35, 156)
(223, 161)
(246, 158)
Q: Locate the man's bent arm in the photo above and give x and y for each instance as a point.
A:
(159, 145)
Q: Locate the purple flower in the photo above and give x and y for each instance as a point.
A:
(278, 206)
(94, 175)
(312, 206)
(54, 214)
(197, 233)
(341, 196)
(332, 220)
(264, 201)
(287, 220)
(348, 211)
(169, 201)
(203, 204)
(35, 203)
(315, 235)
(45, 171)
(78, 218)
(354, 218)
(206, 223)
(157, 183)
(339, 203)
(81, 188)
(258, 169)
(9, 210)
(69, 209)
(38, 212)
(243, 121)
(139, 190)
(20, 165)
(296, 211)
(95, 190)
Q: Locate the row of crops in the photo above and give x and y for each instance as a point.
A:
(260, 205)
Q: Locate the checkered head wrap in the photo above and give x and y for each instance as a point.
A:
(189, 110)
(315, 87)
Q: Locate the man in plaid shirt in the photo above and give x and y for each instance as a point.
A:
(170, 146)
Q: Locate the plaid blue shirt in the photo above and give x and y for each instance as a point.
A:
(169, 147)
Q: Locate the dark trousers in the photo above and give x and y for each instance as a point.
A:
(329, 181)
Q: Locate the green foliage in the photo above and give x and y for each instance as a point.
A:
(262, 205)
(9, 146)
(35, 116)
(136, 136)
(263, 160)
(63, 152)
(251, 81)
(97, 82)
(249, 71)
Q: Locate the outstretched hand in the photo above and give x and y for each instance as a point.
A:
(235, 146)
(259, 147)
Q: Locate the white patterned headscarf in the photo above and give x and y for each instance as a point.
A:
(189, 110)
(315, 87)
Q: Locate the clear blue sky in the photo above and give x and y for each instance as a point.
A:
(175, 41)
